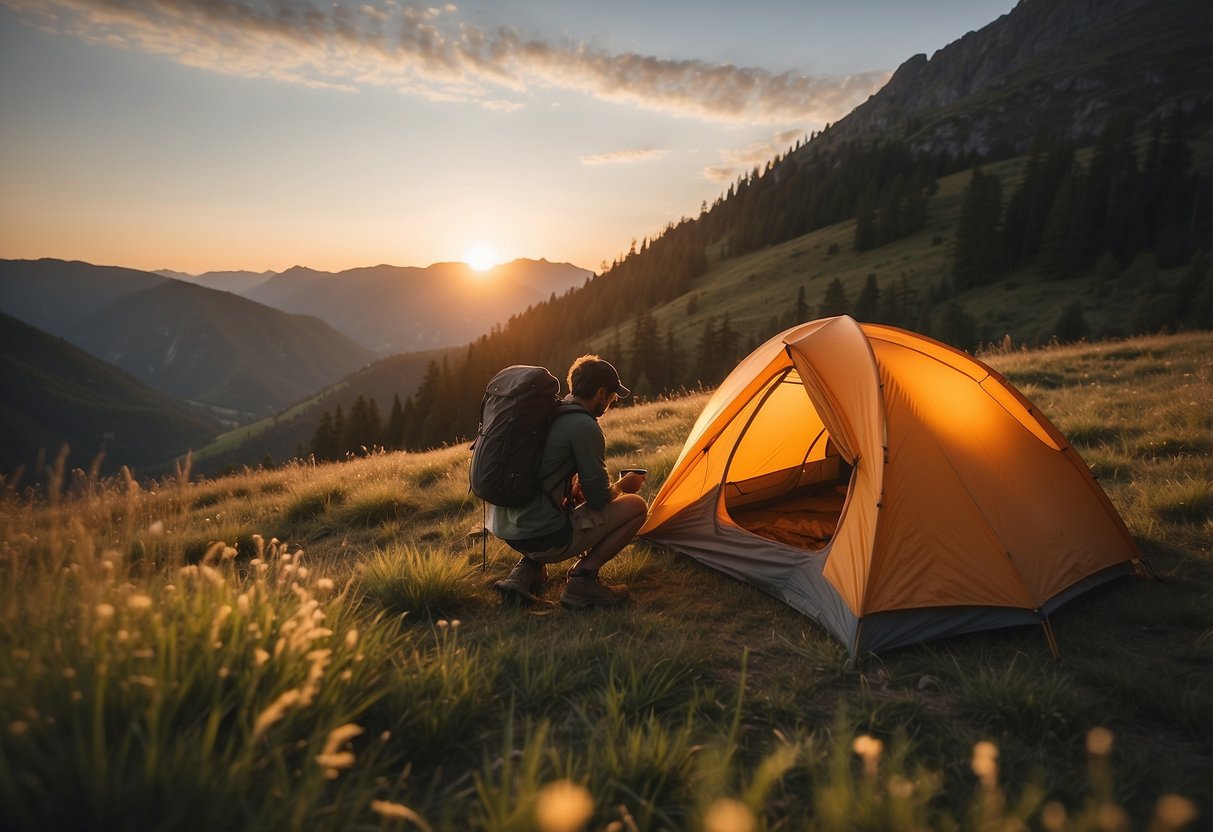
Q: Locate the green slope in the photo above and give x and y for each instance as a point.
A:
(54, 394)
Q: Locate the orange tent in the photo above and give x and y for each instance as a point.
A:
(888, 486)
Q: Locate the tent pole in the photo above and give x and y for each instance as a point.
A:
(1050, 637)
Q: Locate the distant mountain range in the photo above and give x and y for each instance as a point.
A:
(53, 394)
(247, 344)
(197, 344)
(393, 309)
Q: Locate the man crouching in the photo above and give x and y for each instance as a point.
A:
(578, 511)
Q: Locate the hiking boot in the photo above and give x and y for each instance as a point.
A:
(584, 590)
(523, 583)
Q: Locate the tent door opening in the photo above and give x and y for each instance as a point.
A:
(786, 480)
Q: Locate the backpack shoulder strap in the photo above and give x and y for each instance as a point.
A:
(564, 409)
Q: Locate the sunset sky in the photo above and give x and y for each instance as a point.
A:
(200, 136)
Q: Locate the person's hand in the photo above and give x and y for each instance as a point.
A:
(577, 493)
(631, 482)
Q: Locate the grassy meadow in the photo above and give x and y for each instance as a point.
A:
(318, 647)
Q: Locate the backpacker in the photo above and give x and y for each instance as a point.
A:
(519, 405)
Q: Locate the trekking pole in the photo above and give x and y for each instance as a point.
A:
(484, 536)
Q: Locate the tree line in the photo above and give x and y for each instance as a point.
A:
(1064, 217)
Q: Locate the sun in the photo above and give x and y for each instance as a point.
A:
(481, 258)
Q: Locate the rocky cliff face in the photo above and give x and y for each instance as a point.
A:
(1047, 64)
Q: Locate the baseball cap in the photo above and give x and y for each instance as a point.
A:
(603, 374)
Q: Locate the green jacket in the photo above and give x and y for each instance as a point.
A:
(575, 445)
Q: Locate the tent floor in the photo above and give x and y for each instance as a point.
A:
(805, 519)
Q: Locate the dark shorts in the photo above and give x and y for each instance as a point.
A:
(543, 543)
(586, 528)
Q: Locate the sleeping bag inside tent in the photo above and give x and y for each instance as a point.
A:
(888, 486)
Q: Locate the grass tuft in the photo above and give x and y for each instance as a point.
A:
(1183, 501)
(377, 505)
(311, 504)
(425, 582)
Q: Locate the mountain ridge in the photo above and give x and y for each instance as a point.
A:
(237, 282)
(1009, 62)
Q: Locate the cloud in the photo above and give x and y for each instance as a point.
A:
(618, 157)
(431, 52)
(737, 161)
(501, 106)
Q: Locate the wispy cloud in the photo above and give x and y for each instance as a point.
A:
(434, 53)
(742, 160)
(622, 157)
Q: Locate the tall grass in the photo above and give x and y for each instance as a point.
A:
(318, 647)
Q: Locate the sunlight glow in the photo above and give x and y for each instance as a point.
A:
(481, 258)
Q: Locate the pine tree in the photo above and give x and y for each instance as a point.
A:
(977, 253)
(800, 312)
(324, 442)
(867, 232)
(1063, 249)
(728, 347)
(1114, 216)
(409, 428)
(671, 361)
(393, 437)
(705, 363)
(356, 433)
(868, 303)
(339, 448)
(646, 352)
(958, 327)
(425, 402)
(835, 301)
(374, 426)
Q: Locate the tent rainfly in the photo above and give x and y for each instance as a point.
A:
(889, 487)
